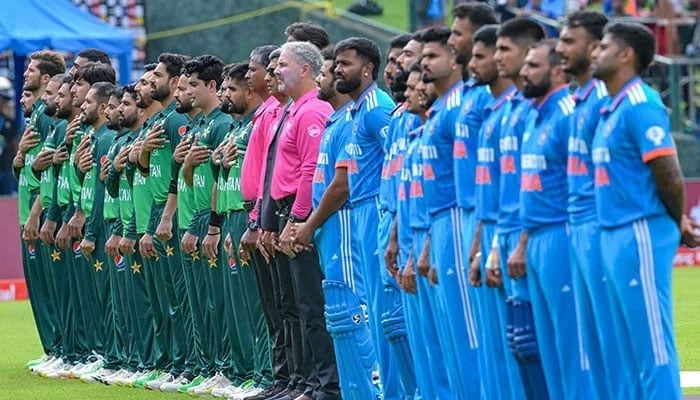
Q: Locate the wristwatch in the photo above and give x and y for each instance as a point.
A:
(252, 225)
(295, 219)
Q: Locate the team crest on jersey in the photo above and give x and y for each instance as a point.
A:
(431, 129)
(31, 250)
(514, 117)
(655, 134)
(384, 131)
(581, 121)
(76, 249)
(232, 265)
(120, 262)
(488, 130)
(313, 130)
(182, 130)
(104, 159)
(468, 106)
(543, 136)
(608, 128)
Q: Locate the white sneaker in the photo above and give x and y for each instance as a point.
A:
(114, 378)
(225, 391)
(245, 393)
(60, 371)
(129, 378)
(156, 383)
(105, 377)
(94, 366)
(216, 382)
(47, 366)
(46, 360)
(96, 376)
(171, 387)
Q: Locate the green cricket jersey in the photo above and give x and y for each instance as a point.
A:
(240, 136)
(68, 180)
(48, 178)
(111, 207)
(185, 196)
(140, 190)
(174, 125)
(211, 130)
(28, 181)
(92, 191)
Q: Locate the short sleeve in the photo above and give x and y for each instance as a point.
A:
(648, 127)
(377, 121)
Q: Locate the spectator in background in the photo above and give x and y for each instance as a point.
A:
(8, 138)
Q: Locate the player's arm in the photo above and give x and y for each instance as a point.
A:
(669, 184)
(516, 261)
(334, 197)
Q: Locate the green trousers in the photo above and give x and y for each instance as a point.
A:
(247, 309)
(198, 357)
(33, 263)
(173, 294)
(116, 356)
(57, 262)
(207, 273)
(159, 308)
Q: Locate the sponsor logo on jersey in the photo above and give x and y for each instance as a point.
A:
(76, 249)
(120, 262)
(31, 250)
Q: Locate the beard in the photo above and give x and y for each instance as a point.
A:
(50, 109)
(128, 120)
(183, 108)
(531, 90)
(32, 85)
(238, 108)
(113, 125)
(579, 66)
(144, 102)
(161, 93)
(89, 118)
(398, 85)
(65, 112)
(226, 106)
(326, 93)
(348, 86)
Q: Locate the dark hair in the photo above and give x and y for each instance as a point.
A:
(554, 56)
(365, 49)
(94, 55)
(275, 54)
(522, 31)
(118, 92)
(328, 53)
(173, 63)
(438, 34)
(149, 67)
(67, 79)
(130, 89)
(479, 14)
(207, 67)
(103, 90)
(263, 52)
(486, 35)
(637, 37)
(414, 67)
(58, 77)
(308, 32)
(236, 72)
(49, 62)
(399, 41)
(93, 73)
(592, 21)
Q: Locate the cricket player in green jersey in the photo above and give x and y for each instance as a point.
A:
(155, 162)
(204, 75)
(42, 66)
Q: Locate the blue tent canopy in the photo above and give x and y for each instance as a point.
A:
(30, 25)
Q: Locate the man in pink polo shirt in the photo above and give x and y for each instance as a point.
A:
(295, 164)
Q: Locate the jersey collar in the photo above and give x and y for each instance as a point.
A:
(305, 98)
(439, 103)
(340, 112)
(363, 96)
(551, 100)
(612, 105)
(582, 93)
(503, 98)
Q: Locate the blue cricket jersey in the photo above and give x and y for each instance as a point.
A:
(488, 156)
(419, 216)
(589, 100)
(515, 114)
(633, 130)
(403, 204)
(471, 117)
(335, 137)
(364, 153)
(401, 123)
(437, 144)
(544, 192)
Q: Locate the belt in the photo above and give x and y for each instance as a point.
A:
(285, 202)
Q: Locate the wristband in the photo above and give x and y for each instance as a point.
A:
(172, 188)
(216, 219)
(141, 168)
(252, 225)
(295, 219)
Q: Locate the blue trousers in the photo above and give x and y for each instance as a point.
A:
(454, 300)
(552, 299)
(638, 259)
(591, 289)
(365, 217)
(501, 375)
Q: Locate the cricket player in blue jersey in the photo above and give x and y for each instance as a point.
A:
(639, 196)
(501, 372)
(579, 37)
(330, 228)
(544, 216)
(513, 39)
(357, 67)
(440, 67)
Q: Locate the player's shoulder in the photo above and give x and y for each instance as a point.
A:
(566, 105)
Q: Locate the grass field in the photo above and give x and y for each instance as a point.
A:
(19, 342)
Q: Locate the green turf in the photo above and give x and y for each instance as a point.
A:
(19, 343)
(395, 12)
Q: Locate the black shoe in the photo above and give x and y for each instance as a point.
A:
(366, 7)
(289, 396)
(267, 394)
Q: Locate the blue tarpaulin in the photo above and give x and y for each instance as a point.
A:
(30, 25)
